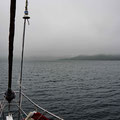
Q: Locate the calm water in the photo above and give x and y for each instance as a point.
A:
(74, 90)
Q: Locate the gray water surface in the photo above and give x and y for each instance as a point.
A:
(74, 90)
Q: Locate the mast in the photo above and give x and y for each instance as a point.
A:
(9, 95)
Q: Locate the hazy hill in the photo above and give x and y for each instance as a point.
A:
(96, 57)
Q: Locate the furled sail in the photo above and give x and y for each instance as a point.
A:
(10, 94)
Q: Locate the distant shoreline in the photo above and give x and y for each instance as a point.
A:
(95, 57)
(100, 57)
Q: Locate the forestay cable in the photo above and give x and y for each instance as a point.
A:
(26, 17)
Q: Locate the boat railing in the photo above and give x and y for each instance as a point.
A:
(27, 106)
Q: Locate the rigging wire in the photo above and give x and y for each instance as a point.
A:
(26, 18)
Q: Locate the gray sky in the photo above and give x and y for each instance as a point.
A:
(64, 27)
